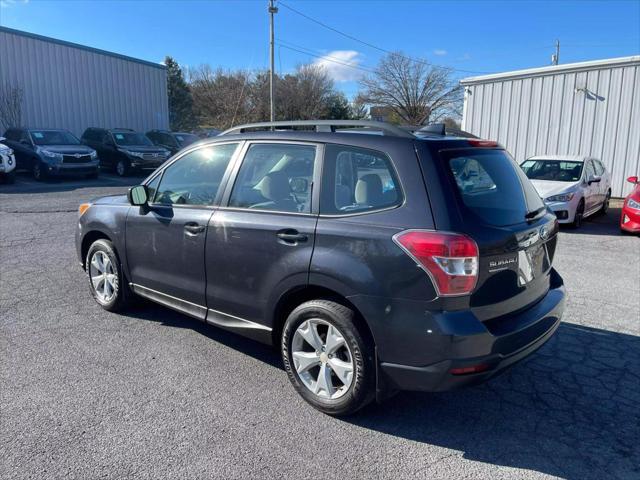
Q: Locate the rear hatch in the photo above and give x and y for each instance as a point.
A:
(486, 196)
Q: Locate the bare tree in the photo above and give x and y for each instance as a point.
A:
(220, 97)
(225, 98)
(304, 95)
(416, 91)
(11, 97)
(359, 109)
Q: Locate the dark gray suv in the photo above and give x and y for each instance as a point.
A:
(376, 259)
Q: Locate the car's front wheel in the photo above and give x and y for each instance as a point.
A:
(107, 282)
(328, 360)
(123, 167)
(39, 173)
(577, 218)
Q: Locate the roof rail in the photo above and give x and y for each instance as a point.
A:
(323, 126)
(439, 129)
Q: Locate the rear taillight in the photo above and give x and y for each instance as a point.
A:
(450, 259)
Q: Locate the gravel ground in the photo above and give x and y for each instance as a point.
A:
(153, 394)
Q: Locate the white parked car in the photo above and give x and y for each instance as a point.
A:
(574, 187)
(7, 163)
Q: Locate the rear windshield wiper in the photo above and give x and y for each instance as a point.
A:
(533, 214)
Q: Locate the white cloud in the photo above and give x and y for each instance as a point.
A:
(339, 65)
(8, 3)
(440, 52)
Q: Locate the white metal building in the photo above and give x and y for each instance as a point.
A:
(66, 85)
(588, 108)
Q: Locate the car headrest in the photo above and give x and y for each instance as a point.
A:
(369, 190)
(275, 186)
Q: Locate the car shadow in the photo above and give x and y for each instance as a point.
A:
(569, 410)
(25, 184)
(598, 224)
(147, 310)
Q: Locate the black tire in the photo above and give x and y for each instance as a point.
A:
(10, 177)
(605, 206)
(122, 292)
(577, 220)
(362, 388)
(38, 171)
(123, 168)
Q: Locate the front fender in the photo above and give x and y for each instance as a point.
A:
(106, 221)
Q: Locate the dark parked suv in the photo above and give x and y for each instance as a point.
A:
(375, 262)
(51, 152)
(124, 150)
(172, 141)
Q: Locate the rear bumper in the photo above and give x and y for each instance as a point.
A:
(7, 163)
(458, 340)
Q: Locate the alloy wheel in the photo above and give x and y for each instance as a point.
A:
(322, 359)
(37, 171)
(103, 276)
(121, 168)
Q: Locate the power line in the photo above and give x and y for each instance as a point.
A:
(370, 45)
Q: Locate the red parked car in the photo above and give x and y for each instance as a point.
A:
(630, 218)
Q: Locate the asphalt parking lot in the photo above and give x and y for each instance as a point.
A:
(153, 394)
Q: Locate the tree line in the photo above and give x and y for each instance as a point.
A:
(408, 91)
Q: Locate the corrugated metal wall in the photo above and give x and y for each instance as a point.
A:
(590, 110)
(73, 87)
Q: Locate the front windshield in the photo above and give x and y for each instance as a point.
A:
(53, 137)
(185, 139)
(555, 170)
(131, 138)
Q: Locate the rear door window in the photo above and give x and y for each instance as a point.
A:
(357, 180)
(492, 186)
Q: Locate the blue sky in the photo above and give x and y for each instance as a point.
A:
(471, 36)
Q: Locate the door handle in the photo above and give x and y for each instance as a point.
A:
(193, 228)
(291, 237)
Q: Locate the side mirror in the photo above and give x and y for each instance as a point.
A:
(594, 179)
(299, 185)
(138, 195)
(632, 179)
(25, 142)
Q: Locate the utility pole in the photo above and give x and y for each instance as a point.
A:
(556, 58)
(272, 9)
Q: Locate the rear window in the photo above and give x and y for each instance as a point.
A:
(492, 186)
(555, 170)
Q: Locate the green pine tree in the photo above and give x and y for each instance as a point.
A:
(181, 115)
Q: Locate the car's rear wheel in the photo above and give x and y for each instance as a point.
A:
(123, 167)
(577, 219)
(328, 360)
(605, 205)
(108, 284)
